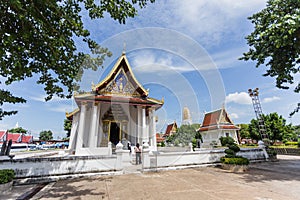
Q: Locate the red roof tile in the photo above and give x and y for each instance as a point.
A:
(15, 137)
(211, 118)
(217, 120)
(27, 139)
(3, 136)
(170, 128)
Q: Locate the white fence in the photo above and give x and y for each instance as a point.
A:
(175, 159)
(45, 168)
(53, 166)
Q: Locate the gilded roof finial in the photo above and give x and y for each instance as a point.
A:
(124, 49)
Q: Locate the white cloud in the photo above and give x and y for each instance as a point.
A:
(63, 108)
(239, 98)
(41, 98)
(149, 62)
(233, 115)
(270, 99)
(212, 19)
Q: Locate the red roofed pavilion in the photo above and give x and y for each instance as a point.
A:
(171, 129)
(216, 124)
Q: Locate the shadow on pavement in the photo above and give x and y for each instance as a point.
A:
(281, 170)
(73, 188)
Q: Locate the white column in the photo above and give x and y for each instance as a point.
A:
(153, 129)
(139, 134)
(93, 136)
(81, 126)
(74, 132)
(144, 126)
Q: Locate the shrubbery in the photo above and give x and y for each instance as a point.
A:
(233, 148)
(226, 140)
(235, 161)
(271, 152)
(6, 175)
(291, 143)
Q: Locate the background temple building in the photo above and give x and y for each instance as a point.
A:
(216, 124)
(170, 130)
(117, 109)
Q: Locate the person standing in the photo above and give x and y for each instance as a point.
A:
(138, 151)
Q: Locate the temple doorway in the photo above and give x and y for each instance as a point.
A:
(114, 137)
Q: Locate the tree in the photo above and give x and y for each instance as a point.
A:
(244, 131)
(275, 41)
(68, 126)
(253, 130)
(184, 134)
(46, 135)
(17, 130)
(276, 127)
(38, 38)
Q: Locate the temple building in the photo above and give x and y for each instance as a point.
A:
(171, 129)
(216, 124)
(117, 109)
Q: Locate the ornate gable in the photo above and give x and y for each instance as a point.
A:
(121, 81)
(224, 118)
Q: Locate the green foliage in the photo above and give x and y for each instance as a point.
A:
(162, 144)
(226, 141)
(67, 126)
(253, 130)
(194, 143)
(235, 161)
(229, 152)
(291, 143)
(276, 128)
(275, 41)
(17, 130)
(233, 148)
(38, 38)
(244, 131)
(46, 135)
(184, 135)
(271, 152)
(6, 175)
(7, 97)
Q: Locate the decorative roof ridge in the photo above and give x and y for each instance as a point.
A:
(213, 111)
(113, 70)
(156, 101)
(69, 114)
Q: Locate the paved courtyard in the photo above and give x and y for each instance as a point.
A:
(263, 181)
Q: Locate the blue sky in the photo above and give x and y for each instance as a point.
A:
(184, 51)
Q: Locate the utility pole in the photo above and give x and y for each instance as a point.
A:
(259, 114)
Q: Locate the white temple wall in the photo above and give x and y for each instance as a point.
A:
(214, 135)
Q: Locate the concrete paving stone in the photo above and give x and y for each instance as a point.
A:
(263, 181)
